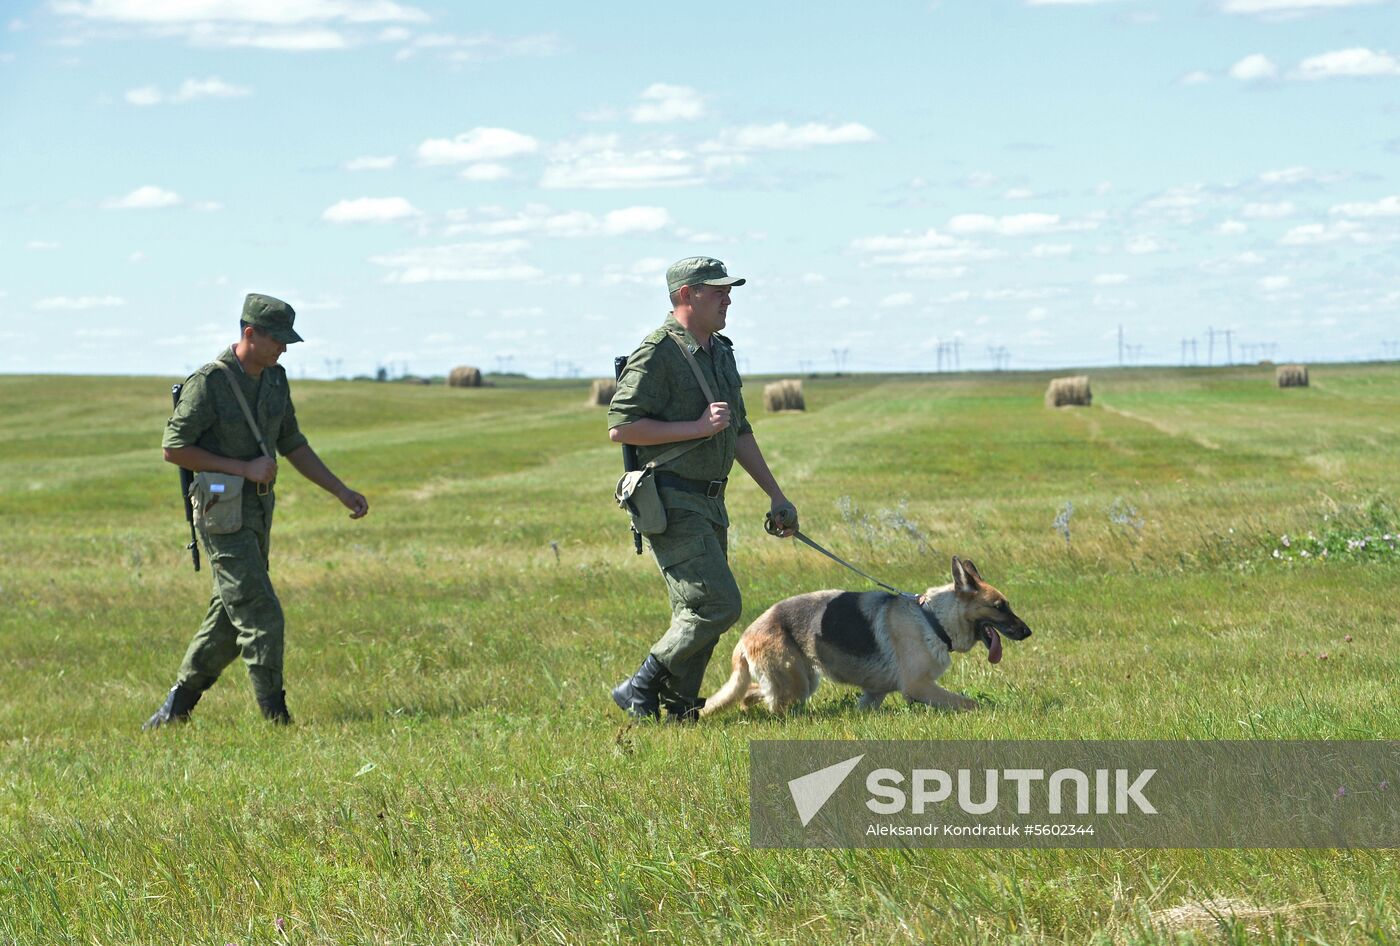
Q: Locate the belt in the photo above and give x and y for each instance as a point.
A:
(714, 489)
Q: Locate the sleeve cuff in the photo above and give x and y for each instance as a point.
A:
(287, 446)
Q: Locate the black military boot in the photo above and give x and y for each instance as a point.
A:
(682, 709)
(274, 708)
(640, 694)
(178, 705)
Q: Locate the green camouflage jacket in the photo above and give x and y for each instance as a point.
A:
(659, 384)
(208, 415)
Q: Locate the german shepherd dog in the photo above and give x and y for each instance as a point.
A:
(871, 639)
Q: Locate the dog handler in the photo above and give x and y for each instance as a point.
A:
(209, 434)
(660, 403)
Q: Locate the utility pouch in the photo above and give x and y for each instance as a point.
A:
(636, 493)
(218, 502)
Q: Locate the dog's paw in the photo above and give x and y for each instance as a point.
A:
(964, 704)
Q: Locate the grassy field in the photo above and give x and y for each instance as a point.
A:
(458, 774)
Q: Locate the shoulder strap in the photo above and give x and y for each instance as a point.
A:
(694, 367)
(689, 445)
(243, 403)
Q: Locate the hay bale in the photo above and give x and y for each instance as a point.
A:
(601, 392)
(784, 395)
(464, 376)
(1291, 376)
(1069, 392)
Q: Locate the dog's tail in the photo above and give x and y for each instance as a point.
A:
(735, 687)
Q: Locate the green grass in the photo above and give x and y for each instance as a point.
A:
(458, 774)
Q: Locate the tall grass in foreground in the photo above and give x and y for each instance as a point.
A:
(458, 774)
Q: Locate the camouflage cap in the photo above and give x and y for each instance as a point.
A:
(271, 315)
(698, 270)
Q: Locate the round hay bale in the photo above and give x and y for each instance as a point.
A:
(1069, 392)
(785, 395)
(1291, 376)
(464, 376)
(601, 392)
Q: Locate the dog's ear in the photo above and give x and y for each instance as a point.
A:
(964, 577)
(972, 572)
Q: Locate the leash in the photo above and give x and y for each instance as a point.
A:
(771, 528)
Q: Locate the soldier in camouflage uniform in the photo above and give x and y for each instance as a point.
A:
(658, 404)
(208, 432)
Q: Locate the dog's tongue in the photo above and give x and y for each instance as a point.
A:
(993, 645)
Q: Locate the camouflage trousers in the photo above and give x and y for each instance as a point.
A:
(244, 617)
(705, 602)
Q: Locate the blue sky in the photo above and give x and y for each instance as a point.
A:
(504, 185)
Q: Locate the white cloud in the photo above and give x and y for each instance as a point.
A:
(459, 262)
(921, 248)
(485, 172)
(1051, 250)
(598, 162)
(1253, 68)
(1353, 63)
(542, 220)
(41, 245)
(936, 272)
(1287, 7)
(370, 210)
(206, 206)
(143, 198)
(78, 303)
(371, 163)
(1018, 193)
(896, 300)
(1266, 211)
(136, 257)
(1066, 3)
(190, 90)
(781, 136)
(471, 48)
(1312, 234)
(265, 12)
(1298, 176)
(1385, 207)
(1232, 228)
(1195, 77)
(1142, 245)
(1026, 224)
(1037, 314)
(1275, 283)
(668, 103)
(1110, 279)
(840, 303)
(479, 144)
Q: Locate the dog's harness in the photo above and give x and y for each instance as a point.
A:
(771, 528)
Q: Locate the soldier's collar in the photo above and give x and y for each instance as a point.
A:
(674, 327)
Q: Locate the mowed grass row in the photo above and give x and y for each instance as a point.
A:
(458, 773)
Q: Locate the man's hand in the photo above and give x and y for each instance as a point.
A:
(715, 419)
(261, 470)
(354, 502)
(782, 519)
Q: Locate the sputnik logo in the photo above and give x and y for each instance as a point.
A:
(812, 791)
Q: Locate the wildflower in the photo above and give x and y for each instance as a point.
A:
(1276, 554)
(1341, 792)
(281, 924)
(1322, 656)
(1287, 542)
(1384, 785)
(1347, 638)
(1304, 553)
